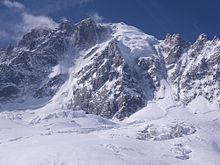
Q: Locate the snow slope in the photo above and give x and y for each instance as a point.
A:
(153, 135)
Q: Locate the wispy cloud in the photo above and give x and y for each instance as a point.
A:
(28, 21)
(29, 15)
(14, 5)
(96, 17)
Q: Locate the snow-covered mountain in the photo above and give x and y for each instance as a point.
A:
(111, 70)
(54, 82)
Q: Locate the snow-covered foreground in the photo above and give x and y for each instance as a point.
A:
(152, 136)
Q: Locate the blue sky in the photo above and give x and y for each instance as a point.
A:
(156, 17)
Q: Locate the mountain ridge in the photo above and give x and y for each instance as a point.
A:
(112, 70)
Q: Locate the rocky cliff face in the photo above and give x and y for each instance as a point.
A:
(110, 70)
(196, 70)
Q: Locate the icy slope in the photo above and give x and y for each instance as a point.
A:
(152, 135)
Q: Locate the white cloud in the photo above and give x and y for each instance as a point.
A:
(96, 17)
(29, 21)
(14, 5)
